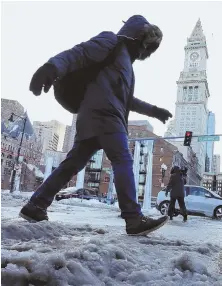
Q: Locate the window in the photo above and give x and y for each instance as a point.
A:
(185, 93)
(196, 191)
(7, 171)
(194, 65)
(195, 93)
(190, 93)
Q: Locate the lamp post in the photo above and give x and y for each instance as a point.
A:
(163, 171)
(11, 119)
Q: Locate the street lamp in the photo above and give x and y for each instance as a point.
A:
(163, 171)
(11, 119)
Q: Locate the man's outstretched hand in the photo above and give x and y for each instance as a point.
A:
(43, 78)
(162, 114)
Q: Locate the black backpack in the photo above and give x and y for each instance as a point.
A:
(70, 90)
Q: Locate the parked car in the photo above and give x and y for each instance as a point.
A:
(73, 192)
(86, 194)
(66, 193)
(199, 201)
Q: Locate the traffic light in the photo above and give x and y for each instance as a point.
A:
(187, 138)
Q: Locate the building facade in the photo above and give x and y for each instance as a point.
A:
(216, 164)
(70, 135)
(145, 123)
(57, 157)
(66, 143)
(210, 144)
(213, 182)
(170, 129)
(193, 93)
(30, 152)
(52, 134)
(8, 106)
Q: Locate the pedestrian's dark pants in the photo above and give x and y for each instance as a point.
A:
(116, 148)
(181, 203)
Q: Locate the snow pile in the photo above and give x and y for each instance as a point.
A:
(25, 231)
(52, 253)
(88, 246)
(38, 172)
(87, 203)
(186, 262)
(5, 191)
(15, 198)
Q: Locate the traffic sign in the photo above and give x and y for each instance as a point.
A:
(208, 138)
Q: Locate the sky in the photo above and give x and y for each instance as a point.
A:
(32, 32)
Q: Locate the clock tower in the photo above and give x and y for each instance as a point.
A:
(192, 92)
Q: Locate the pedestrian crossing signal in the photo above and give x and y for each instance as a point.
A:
(188, 138)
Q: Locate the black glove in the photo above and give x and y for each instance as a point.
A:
(43, 77)
(160, 113)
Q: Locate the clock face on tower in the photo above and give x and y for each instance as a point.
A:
(194, 56)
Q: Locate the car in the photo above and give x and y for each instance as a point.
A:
(66, 193)
(86, 194)
(73, 192)
(199, 201)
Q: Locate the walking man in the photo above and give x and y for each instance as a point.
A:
(176, 188)
(103, 116)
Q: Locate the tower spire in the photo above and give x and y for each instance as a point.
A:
(197, 33)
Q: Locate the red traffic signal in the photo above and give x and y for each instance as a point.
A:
(188, 138)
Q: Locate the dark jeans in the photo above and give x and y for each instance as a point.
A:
(181, 203)
(116, 148)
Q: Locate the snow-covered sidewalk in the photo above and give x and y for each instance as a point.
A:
(84, 243)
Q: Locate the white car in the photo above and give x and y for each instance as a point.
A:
(199, 201)
(65, 193)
